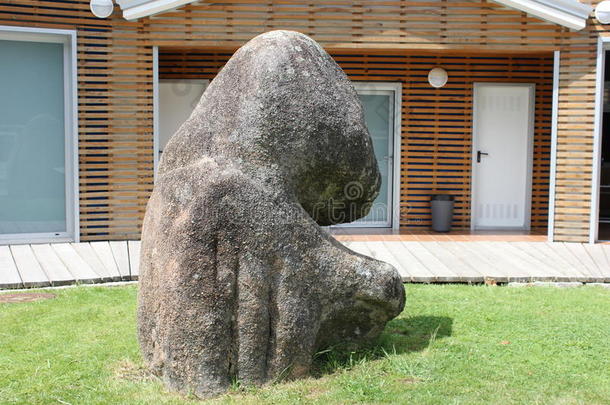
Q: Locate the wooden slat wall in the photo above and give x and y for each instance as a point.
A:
(437, 131)
(114, 113)
(117, 162)
(118, 167)
(451, 26)
(575, 135)
(383, 24)
(436, 123)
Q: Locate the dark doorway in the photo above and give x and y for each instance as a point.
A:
(604, 182)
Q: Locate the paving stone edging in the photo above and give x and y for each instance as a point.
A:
(571, 284)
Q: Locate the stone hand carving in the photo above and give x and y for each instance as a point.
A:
(238, 280)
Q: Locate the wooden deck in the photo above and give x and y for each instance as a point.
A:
(499, 261)
(42, 265)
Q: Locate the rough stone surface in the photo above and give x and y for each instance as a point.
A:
(237, 279)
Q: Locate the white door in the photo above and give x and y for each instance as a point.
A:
(502, 145)
(381, 104)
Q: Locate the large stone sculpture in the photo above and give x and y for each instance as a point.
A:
(237, 280)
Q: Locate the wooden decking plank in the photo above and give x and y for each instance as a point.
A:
(348, 244)
(470, 259)
(370, 249)
(62, 263)
(540, 270)
(450, 260)
(596, 252)
(576, 271)
(570, 268)
(54, 268)
(503, 250)
(104, 254)
(579, 251)
(512, 269)
(541, 252)
(358, 247)
(86, 252)
(9, 276)
(366, 248)
(380, 252)
(361, 248)
(29, 269)
(606, 250)
(121, 258)
(134, 258)
(414, 269)
(494, 268)
(82, 271)
(431, 262)
(533, 268)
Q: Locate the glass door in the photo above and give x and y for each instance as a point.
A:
(35, 166)
(379, 101)
(603, 231)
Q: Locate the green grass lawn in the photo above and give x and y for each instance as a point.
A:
(454, 344)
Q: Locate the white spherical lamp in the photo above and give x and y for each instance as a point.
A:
(438, 77)
(602, 12)
(101, 8)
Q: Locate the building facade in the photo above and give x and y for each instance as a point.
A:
(515, 134)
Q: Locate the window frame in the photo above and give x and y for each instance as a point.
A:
(68, 39)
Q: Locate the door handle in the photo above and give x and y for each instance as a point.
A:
(479, 153)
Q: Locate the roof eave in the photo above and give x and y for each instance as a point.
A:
(134, 9)
(568, 13)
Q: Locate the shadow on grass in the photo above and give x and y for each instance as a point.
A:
(401, 335)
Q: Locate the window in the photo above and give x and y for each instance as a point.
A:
(37, 135)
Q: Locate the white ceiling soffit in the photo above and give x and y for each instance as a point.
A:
(134, 9)
(569, 13)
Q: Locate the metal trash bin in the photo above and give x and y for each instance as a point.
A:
(442, 212)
